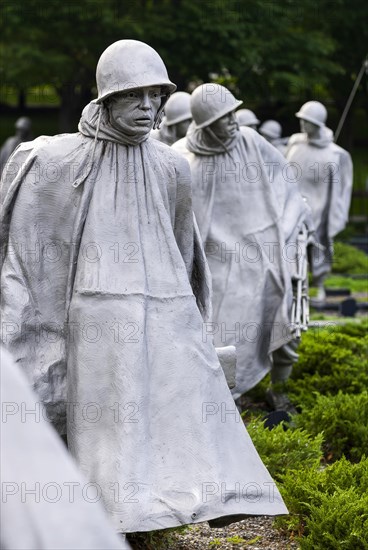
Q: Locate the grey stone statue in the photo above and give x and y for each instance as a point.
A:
(272, 131)
(246, 117)
(23, 128)
(108, 316)
(249, 215)
(324, 173)
(176, 120)
(46, 503)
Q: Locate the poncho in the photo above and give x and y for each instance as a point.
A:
(249, 212)
(324, 173)
(7, 149)
(46, 503)
(110, 311)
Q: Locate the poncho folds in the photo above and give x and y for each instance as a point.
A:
(101, 314)
(324, 173)
(46, 503)
(249, 212)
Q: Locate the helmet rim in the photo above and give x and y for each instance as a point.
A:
(130, 65)
(252, 119)
(177, 108)
(313, 105)
(219, 115)
(204, 111)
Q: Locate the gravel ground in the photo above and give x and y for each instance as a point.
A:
(257, 534)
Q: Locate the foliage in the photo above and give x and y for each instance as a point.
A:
(155, 540)
(328, 506)
(347, 21)
(56, 38)
(354, 285)
(343, 419)
(329, 383)
(349, 259)
(58, 43)
(282, 449)
(339, 521)
(344, 475)
(228, 34)
(235, 539)
(270, 49)
(332, 358)
(358, 330)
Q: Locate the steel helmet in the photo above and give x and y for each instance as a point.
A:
(270, 129)
(209, 102)
(177, 108)
(313, 111)
(245, 117)
(130, 64)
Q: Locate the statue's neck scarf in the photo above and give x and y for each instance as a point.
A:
(204, 141)
(94, 123)
(323, 139)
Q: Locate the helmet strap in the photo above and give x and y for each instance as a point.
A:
(215, 138)
(160, 113)
(158, 118)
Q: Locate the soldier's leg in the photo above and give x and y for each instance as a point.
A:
(283, 361)
(321, 267)
(321, 293)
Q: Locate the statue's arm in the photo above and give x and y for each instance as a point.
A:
(189, 240)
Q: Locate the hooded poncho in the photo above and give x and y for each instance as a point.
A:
(324, 172)
(103, 284)
(249, 212)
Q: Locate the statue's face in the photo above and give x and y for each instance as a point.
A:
(182, 128)
(308, 127)
(23, 127)
(134, 111)
(225, 127)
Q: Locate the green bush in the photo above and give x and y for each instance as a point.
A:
(343, 419)
(320, 504)
(349, 259)
(339, 521)
(343, 475)
(341, 281)
(357, 329)
(328, 505)
(330, 359)
(304, 487)
(282, 449)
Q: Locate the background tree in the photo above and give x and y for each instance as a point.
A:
(56, 42)
(275, 54)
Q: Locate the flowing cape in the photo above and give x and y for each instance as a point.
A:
(324, 172)
(249, 212)
(103, 288)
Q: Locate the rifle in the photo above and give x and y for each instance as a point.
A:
(300, 306)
